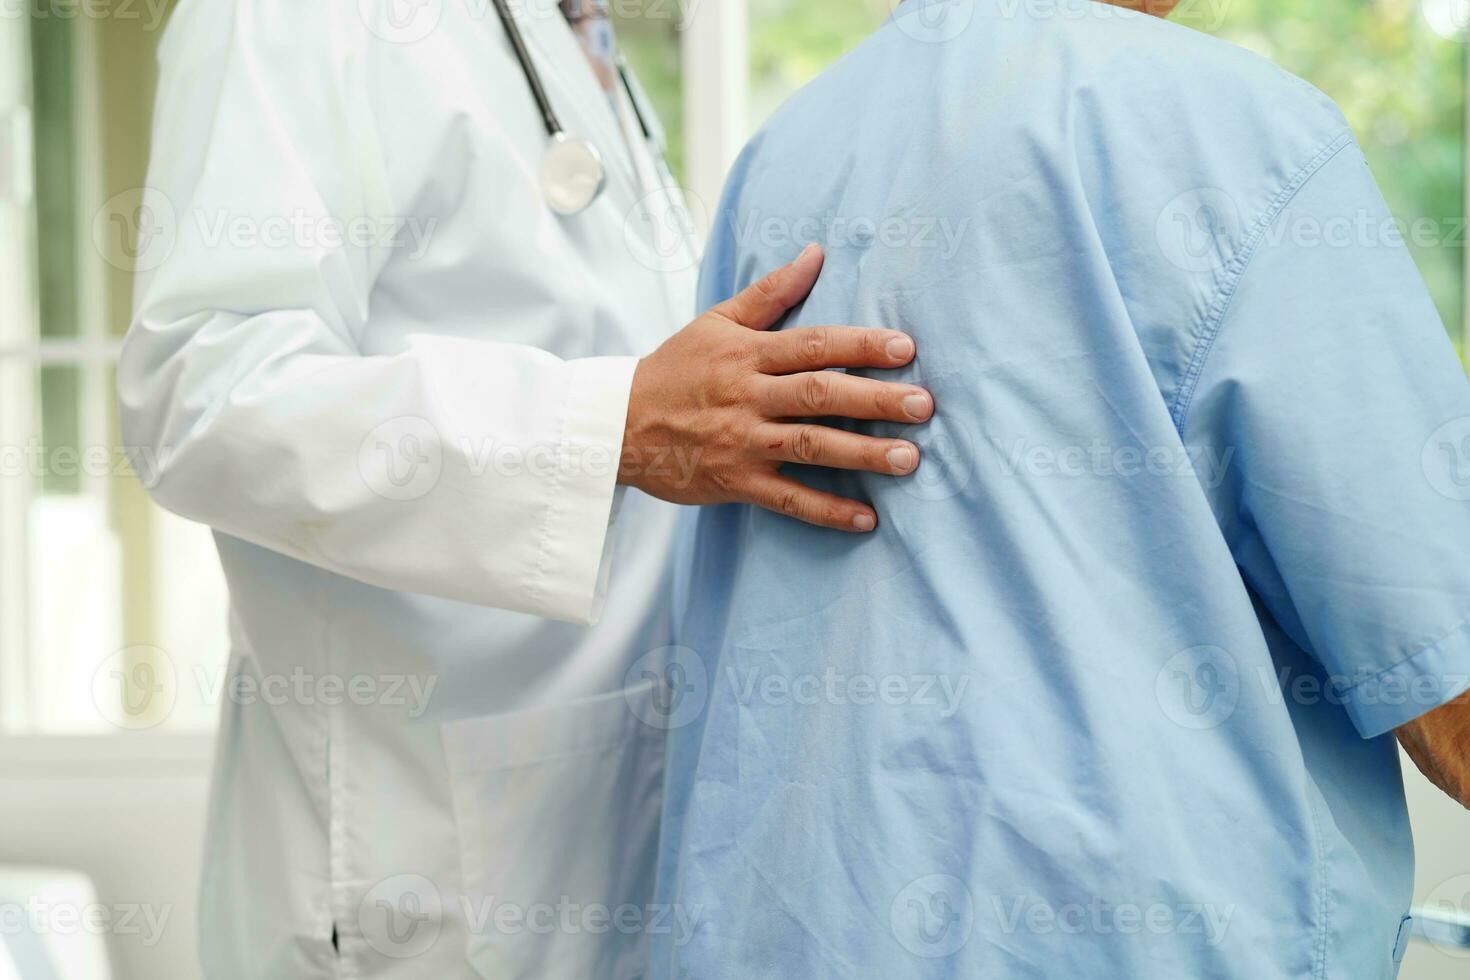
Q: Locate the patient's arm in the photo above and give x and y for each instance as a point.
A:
(1439, 744)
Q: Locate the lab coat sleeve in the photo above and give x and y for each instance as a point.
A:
(1329, 392)
(457, 467)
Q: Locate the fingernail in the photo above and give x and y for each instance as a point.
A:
(806, 252)
(901, 458)
(917, 406)
(900, 348)
(864, 522)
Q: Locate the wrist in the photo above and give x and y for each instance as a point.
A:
(628, 452)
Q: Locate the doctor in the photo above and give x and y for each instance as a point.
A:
(389, 348)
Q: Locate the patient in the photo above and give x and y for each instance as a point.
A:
(1110, 692)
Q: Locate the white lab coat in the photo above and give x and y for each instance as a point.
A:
(394, 382)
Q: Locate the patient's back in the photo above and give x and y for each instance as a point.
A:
(975, 703)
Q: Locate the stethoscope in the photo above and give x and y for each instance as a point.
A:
(572, 170)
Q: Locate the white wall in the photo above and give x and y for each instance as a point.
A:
(134, 825)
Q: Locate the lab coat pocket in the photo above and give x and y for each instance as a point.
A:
(557, 811)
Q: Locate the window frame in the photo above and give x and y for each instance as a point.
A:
(101, 299)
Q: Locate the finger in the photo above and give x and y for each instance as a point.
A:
(786, 496)
(762, 303)
(820, 445)
(815, 348)
(835, 393)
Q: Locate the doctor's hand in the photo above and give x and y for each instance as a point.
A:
(719, 396)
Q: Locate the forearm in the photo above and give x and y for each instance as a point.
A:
(471, 470)
(1439, 744)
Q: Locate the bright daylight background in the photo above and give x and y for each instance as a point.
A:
(102, 595)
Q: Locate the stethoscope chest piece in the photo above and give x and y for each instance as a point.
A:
(572, 174)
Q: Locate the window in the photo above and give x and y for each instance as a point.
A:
(648, 32)
(791, 41)
(1397, 70)
(103, 596)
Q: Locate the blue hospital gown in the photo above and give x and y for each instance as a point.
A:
(1109, 693)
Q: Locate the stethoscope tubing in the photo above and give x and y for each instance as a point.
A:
(528, 68)
(573, 173)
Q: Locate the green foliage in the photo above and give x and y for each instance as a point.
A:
(650, 41)
(1402, 88)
